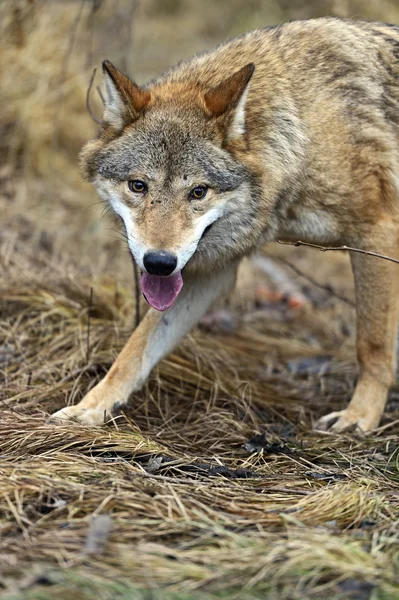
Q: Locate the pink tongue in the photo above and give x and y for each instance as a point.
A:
(161, 292)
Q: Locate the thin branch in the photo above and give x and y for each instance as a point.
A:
(88, 325)
(344, 248)
(125, 31)
(95, 5)
(64, 70)
(88, 97)
(136, 292)
(100, 94)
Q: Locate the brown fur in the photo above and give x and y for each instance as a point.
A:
(297, 129)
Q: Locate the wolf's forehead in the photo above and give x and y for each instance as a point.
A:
(169, 154)
(151, 153)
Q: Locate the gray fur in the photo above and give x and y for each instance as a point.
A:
(163, 145)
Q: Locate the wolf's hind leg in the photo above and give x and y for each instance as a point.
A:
(377, 288)
(155, 337)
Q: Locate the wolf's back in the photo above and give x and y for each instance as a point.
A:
(355, 61)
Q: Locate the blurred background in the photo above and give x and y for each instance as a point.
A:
(48, 51)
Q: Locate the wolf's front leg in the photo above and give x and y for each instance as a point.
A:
(155, 337)
(377, 287)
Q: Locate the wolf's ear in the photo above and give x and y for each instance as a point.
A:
(124, 100)
(231, 96)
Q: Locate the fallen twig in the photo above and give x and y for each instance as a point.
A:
(309, 278)
(279, 277)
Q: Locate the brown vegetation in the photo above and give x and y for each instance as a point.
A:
(170, 496)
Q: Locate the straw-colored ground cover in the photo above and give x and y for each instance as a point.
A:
(212, 484)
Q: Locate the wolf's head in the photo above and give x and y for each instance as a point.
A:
(168, 159)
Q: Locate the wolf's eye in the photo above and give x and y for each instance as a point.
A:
(198, 192)
(137, 186)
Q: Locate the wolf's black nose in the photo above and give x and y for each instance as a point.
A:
(159, 263)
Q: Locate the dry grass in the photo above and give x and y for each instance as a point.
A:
(165, 502)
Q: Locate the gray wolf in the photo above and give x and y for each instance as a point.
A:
(289, 133)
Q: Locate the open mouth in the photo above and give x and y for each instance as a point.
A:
(161, 292)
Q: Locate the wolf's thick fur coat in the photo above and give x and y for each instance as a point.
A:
(295, 132)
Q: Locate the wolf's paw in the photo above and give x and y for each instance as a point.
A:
(65, 414)
(96, 408)
(88, 416)
(343, 420)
